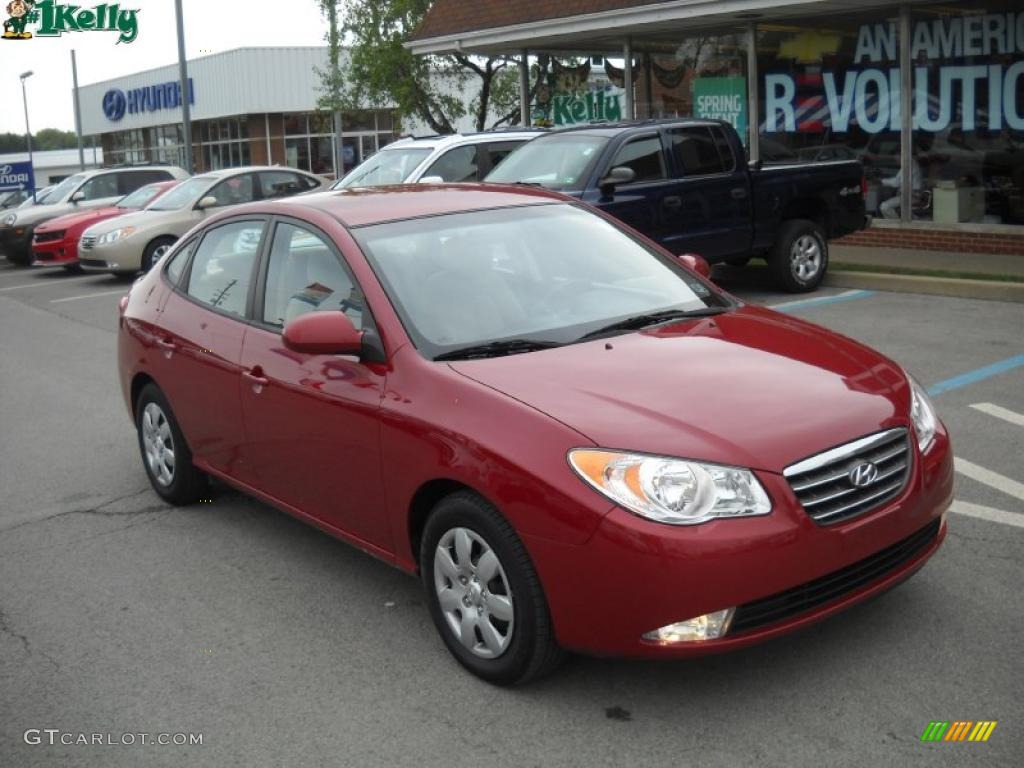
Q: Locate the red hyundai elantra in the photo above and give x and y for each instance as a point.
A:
(576, 441)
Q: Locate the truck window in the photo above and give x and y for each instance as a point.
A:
(644, 156)
(695, 153)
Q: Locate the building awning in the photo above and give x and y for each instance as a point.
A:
(498, 26)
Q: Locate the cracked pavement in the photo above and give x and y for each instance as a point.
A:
(284, 647)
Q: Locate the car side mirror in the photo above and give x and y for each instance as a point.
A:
(323, 333)
(697, 263)
(79, 195)
(620, 174)
(206, 202)
(431, 180)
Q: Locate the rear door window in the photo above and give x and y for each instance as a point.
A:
(459, 164)
(645, 156)
(222, 268)
(695, 151)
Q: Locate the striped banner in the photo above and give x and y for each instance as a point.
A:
(959, 730)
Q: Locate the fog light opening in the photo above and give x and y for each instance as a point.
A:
(710, 626)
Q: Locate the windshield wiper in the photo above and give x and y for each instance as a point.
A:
(652, 318)
(497, 349)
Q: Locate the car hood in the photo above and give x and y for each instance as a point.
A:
(751, 388)
(85, 218)
(174, 222)
(35, 214)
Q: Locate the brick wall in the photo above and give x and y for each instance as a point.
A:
(931, 239)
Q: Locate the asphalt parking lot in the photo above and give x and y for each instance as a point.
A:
(281, 646)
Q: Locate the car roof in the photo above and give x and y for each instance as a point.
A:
(359, 207)
(438, 140)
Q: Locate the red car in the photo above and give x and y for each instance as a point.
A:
(55, 243)
(575, 440)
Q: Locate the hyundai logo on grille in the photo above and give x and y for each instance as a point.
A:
(863, 475)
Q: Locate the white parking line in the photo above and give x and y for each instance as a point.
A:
(50, 282)
(1000, 413)
(987, 513)
(989, 478)
(89, 296)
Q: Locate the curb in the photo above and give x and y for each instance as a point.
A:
(991, 290)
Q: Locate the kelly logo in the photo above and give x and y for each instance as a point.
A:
(959, 730)
(55, 19)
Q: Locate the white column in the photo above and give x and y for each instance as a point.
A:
(524, 89)
(753, 108)
(906, 117)
(627, 78)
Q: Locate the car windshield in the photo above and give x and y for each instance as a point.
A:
(554, 161)
(62, 190)
(389, 166)
(183, 195)
(541, 274)
(140, 197)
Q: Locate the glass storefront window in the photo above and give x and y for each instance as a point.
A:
(296, 152)
(296, 125)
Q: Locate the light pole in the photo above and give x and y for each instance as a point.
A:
(28, 133)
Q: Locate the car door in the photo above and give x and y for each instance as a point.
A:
(98, 192)
(198, 352)
(641, 203)
(312, 420)
(711, 212)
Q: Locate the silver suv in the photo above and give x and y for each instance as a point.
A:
(80, 192)
(454, 158)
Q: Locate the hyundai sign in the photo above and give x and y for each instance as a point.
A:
(16, 176)
(150, 98)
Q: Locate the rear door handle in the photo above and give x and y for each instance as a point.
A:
(256, 379)
(167, 346)
(738, 193)
(672, 202)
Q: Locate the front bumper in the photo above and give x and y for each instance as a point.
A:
(16, 241)
(55, 253)
(634, 575)
(122, 256)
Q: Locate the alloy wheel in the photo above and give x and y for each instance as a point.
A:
(158, 443)
(806, 258)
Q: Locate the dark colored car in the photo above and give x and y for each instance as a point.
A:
(686, 184)
(576, 441)
(55, 242)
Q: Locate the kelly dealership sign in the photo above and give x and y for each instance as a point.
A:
(585, 107)
(868, 96)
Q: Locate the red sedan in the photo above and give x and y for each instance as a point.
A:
(574, 439)
(55, 242)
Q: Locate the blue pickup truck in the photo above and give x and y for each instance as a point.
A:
(686, 184)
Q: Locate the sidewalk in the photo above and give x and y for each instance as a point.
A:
(965, 273)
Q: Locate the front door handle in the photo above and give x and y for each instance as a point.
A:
(256, 379)
(738, 193)
(673, 202)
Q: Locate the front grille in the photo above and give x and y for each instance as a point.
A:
(803, 598)
(49, 237)
(93, 263)
(87, 242)
(825, 486)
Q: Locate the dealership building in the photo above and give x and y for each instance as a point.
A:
(934, 89)
(248, 106)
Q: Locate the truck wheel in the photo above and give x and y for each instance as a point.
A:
(800, 256)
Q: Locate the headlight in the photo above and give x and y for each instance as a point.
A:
(9, 219)
(922, 414)
(669, 490)
(114, 235)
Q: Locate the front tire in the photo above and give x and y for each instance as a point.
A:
(483, 593)
(165, 454)
(155, 251)
(800, 256)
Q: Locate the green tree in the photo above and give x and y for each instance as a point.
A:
(382, 72)
(47, 138)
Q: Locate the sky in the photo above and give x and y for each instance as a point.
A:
(211, 26)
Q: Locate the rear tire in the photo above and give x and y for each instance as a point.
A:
(165, 454)
(799, 259)
(154, 251)
(494, 617)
